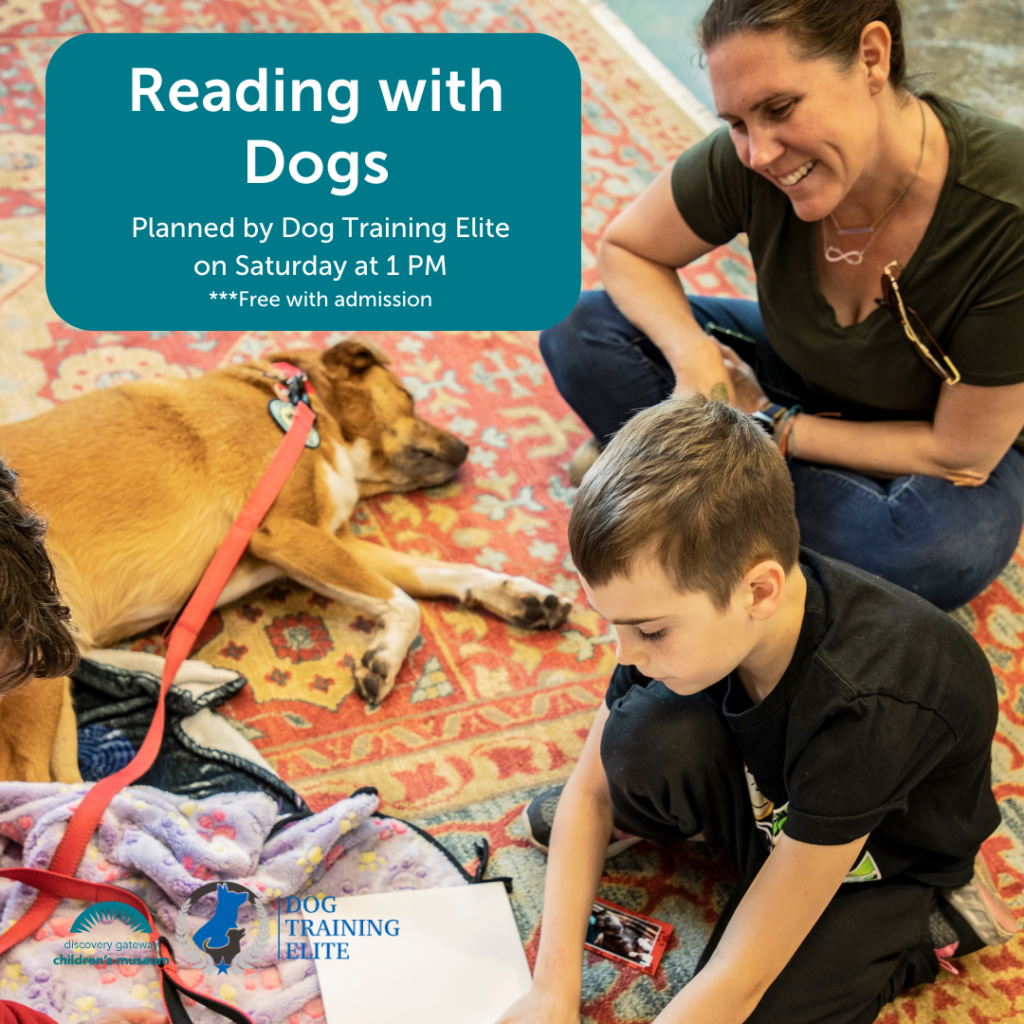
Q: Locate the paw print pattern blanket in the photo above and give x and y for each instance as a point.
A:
(164, 847)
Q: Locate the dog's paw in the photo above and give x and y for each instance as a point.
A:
(547, 613)
(524, 603)
(374, 677)
(377, 670)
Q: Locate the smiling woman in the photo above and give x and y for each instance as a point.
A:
(885, 349)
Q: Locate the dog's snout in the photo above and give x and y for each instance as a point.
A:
(455, 451)
(443, 445)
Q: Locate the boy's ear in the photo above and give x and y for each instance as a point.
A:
(765, 584)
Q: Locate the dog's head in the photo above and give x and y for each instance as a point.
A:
(370, 404)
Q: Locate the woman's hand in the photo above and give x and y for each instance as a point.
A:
(749, 395)
(966, 477)
(698, 365)
(136, 1015)
(540, 1007)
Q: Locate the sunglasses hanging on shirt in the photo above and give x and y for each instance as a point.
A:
(924, 343)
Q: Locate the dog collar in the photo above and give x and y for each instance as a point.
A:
(294, 388)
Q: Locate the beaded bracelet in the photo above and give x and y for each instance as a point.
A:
(784, 431)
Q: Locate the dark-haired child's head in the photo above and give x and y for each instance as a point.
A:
(684, 533)
(35, 624)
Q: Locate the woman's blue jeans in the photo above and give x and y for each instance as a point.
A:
(943, 542)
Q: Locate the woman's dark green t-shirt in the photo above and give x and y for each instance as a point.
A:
(966, 279)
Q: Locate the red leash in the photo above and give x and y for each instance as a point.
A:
(58, 881)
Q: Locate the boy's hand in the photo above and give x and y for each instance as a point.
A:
(538, 1007)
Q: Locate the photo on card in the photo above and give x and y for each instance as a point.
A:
(626, 936)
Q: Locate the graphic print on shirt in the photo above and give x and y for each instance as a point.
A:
(770, 820)
(865, 870)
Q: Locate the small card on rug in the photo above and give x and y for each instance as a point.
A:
(430, 956)
(627, 937)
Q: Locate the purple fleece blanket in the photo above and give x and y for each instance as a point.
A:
(163, 848)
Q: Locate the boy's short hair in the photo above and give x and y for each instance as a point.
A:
(697, 485)
(35, 624)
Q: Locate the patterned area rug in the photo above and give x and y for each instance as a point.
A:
(483, 714)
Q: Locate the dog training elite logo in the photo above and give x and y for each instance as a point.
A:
(218, 943)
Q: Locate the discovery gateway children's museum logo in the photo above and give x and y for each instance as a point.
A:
(92, 949)
(217, 944)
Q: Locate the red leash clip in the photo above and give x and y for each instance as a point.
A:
(297, 386)
(293, 392)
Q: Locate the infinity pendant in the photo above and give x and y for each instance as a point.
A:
(834, 254)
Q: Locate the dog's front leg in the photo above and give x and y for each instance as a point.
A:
(514, 598)
(64, 756)
(316, 558)
(34, 719)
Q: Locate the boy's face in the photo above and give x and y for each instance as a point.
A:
(681, 639)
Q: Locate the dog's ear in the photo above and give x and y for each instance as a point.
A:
(355, 356)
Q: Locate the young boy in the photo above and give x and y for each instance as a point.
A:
(829, 729)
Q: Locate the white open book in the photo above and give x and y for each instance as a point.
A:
(427, 956)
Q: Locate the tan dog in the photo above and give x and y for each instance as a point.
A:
(140, 483)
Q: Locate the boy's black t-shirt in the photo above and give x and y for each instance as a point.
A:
(881, 724)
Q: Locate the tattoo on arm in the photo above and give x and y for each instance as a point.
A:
(719, 392)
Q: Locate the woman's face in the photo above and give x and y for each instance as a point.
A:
(808, 126)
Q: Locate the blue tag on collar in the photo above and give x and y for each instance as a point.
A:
(283, 413)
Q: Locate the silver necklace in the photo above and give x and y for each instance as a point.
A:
(856, 256)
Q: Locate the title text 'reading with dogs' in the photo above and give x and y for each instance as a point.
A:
(265, 160)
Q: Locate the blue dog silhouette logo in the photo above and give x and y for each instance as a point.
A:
(219, 937)
(221, 941)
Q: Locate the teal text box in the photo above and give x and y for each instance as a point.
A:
(433, 218)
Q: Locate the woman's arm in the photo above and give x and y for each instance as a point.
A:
(972, 430)
(637, 258)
